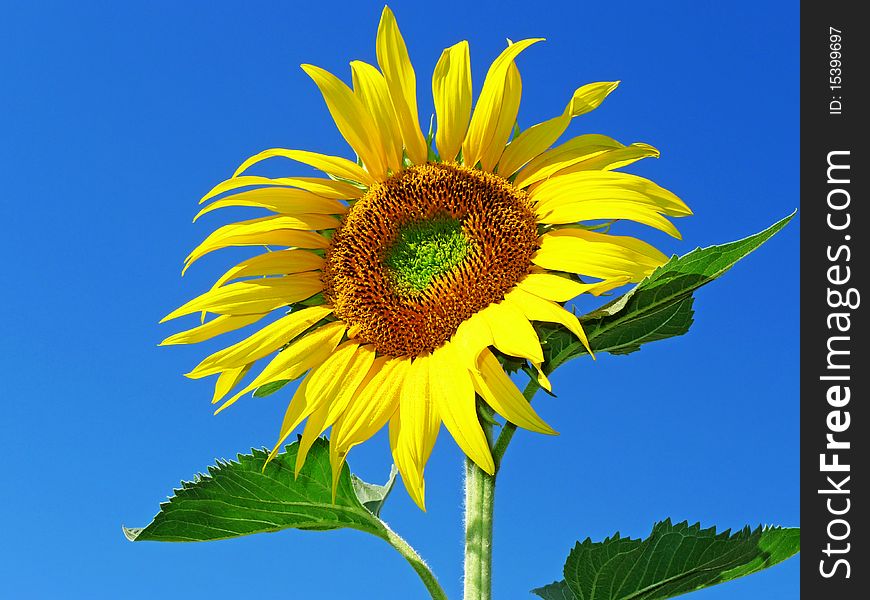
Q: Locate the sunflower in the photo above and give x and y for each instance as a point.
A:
(411, 274)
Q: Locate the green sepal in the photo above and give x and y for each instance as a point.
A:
(355, 184)
(315, 300)
(431, 154)
(372, 495)
(268, 389)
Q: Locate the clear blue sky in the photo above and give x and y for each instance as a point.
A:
(117, 116)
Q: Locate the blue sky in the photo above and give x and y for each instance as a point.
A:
(117, 117)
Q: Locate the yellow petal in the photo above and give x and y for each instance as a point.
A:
(280, 200)
(530, 143)
(536, 308)
(352, 119)
(252, 297)
(280, 262)
(338, 454)
(419, 415)
(266, 231)
(538, 138)
(362, 365)
(612, 159)
(413, 480)
(452, 392)
(507, 118)
(597, 255)
(372, 405)
(451, 90)
(512, 333)
(328, 379)
(317, 390)
(561, 289)
(227, 380)
(327, 188)
(399, 459)
(580, 148)
(486, 117)
(218, 325)
(402, 82)
(265, 341)
(416, 429)
(300, 356)
(497, 389)
(371, 88)
(325, 415)
(337, 457)
(584, 207)
(298, 403)
(471, 337)
(542, 379)
(592, 187)
(312, 430)
(590, 96)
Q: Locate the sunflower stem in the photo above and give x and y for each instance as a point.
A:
(479, 502)
(479, 497)
(417, 563)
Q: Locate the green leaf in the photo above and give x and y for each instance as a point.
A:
(372, 495)
(239, 498)
(673, 560)
(270, 388)
(658, 307)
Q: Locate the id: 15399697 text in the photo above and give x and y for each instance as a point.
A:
(835, 73)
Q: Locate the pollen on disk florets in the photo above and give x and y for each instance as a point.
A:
(425, 250)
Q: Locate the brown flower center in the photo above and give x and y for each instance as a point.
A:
(423, 251)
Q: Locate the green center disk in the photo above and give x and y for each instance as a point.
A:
(426, 249)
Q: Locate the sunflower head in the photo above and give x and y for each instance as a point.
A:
(407, 278)
(424, 251)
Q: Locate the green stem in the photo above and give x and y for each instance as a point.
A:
(507, 432)
(417, 563)
(479, 497)
(479, 504)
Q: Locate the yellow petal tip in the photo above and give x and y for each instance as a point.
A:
(310, 70)
(549, 430)
(268, 460)
(489, 468)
